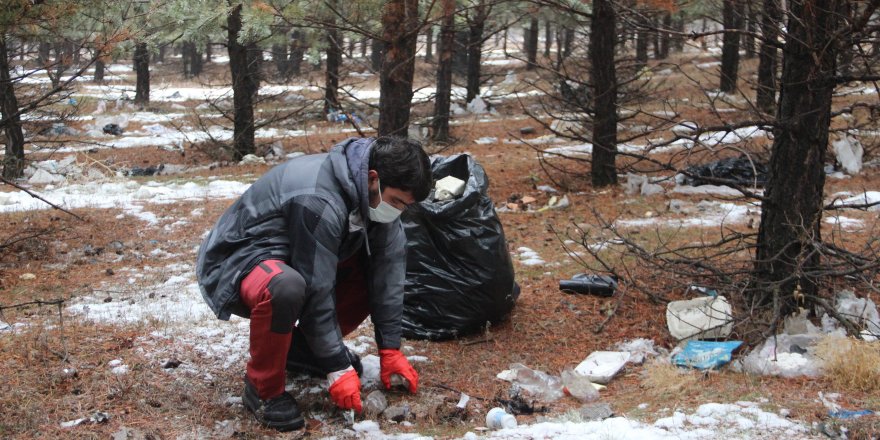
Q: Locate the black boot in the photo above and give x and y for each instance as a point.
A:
(301, 360)
(279, 412)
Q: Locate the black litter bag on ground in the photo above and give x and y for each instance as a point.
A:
(739, 170)
(459, 275)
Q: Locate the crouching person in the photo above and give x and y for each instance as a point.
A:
(307, 253)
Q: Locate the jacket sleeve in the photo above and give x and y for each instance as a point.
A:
(387, 273)
(315, 229)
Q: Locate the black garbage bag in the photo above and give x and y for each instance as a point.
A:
(739, 170)
(459, 274)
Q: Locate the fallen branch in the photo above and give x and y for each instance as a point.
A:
(36, 196)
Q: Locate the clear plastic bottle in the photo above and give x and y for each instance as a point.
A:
(374, 404)
(538, 383)
(579, 386)
(497, 418)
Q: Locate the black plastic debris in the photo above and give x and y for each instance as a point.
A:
(599, 285)
(734, 170)
(459, 274)
(113, 129)
(171, 363)
(148, 171)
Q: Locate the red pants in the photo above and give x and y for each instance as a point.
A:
(274, 292)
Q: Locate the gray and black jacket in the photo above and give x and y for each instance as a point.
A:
(310, 212)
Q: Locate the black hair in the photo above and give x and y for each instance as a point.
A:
(402, 164)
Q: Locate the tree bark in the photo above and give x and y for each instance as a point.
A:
(730, 49)
(766, 90)
(642, 43)
(548, 39)
(363, 47)
(13, 161)
(678, 39)
(331, 77)
(569, 42)
(297, 50)
(100, 67)
(281, 59)
(748, 40)
(376, 48)
(429, 44)
(603, 33)
(400, 25)
(792, 207)
(446, 46)
(142, 72)
(665, 37)
(532, 45)
(476, 24)
(244, 63)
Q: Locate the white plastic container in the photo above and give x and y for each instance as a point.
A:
(497, 418)
(701, 318)
(601, 366)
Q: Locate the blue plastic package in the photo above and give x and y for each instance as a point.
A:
(847, 414)
(704, 355)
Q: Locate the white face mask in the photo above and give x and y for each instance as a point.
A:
(384, 213)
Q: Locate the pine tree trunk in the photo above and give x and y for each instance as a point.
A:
(331, 77)
(43, 53)
(446, 46)
(297, 50)
(429, 44)
(160, 57)
(281, 59)
(642, 44)
(460, 53)
(475, 50)
(548, 39)
(730, 50)
(142, 72)
(196, 64)
(791, 211)
(209, 54)
(13, 161)
(603, 33)
(678, 39)
(400, 26)
(665, 37)
(569, 41)
(186, 58)
(752, 26)
(376, 48)
(244, 66)
(363, 47)
(532, 45)
(100, 67)
(845, 60)
(766, 90)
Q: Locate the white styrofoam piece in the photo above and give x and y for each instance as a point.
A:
(601, 366)
(701, 318)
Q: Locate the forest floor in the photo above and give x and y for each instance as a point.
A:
(132, 351)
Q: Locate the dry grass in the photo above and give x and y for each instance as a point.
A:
(851, 364)
(662, 379)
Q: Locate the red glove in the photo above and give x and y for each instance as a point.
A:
(346, 391)
(392, 362)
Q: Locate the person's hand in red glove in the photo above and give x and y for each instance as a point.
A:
(345, 389)
(394, 362)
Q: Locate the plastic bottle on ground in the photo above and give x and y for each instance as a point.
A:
(497, 418)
